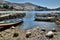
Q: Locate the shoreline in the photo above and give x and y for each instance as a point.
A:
(12, 11)
(36, 34)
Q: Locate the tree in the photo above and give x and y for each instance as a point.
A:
(5, 6)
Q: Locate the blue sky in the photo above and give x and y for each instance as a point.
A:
(45, 3)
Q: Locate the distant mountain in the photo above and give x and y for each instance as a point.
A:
(26, 7)
(57, 8)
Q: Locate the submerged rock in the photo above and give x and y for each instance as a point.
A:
(37, 28)
(53, 30)
(50, 34)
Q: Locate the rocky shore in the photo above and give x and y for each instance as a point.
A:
(14, 33)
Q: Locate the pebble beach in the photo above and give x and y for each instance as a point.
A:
(35, 34)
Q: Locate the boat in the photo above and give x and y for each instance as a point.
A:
(44, 17)
(9, 23)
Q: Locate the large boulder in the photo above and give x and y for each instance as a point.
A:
(49, 34)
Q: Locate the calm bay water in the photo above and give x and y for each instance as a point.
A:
(29, 22)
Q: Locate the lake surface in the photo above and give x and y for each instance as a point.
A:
(29, 22)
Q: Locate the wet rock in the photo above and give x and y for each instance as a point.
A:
(50, 34)
(43, 29)
(53, 30)
(28, 34)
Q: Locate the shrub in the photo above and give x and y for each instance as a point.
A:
(5, 6)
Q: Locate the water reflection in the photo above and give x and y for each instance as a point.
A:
(10, 20)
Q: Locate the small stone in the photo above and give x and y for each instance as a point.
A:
(53, 30)
(43, 29)
(28, 33)
(1, 35)
(41, 32)
(28, 30)
(37, 28)
(50, 34)
(34, 29)
(15, 35)
(12, 27)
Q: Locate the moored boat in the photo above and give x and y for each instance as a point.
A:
(45, 18)
(9, 23)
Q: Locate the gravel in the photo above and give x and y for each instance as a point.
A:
(35, 34)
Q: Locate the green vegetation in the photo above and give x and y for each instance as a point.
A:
(5, 6)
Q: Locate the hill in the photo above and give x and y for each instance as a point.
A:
(24, 7)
